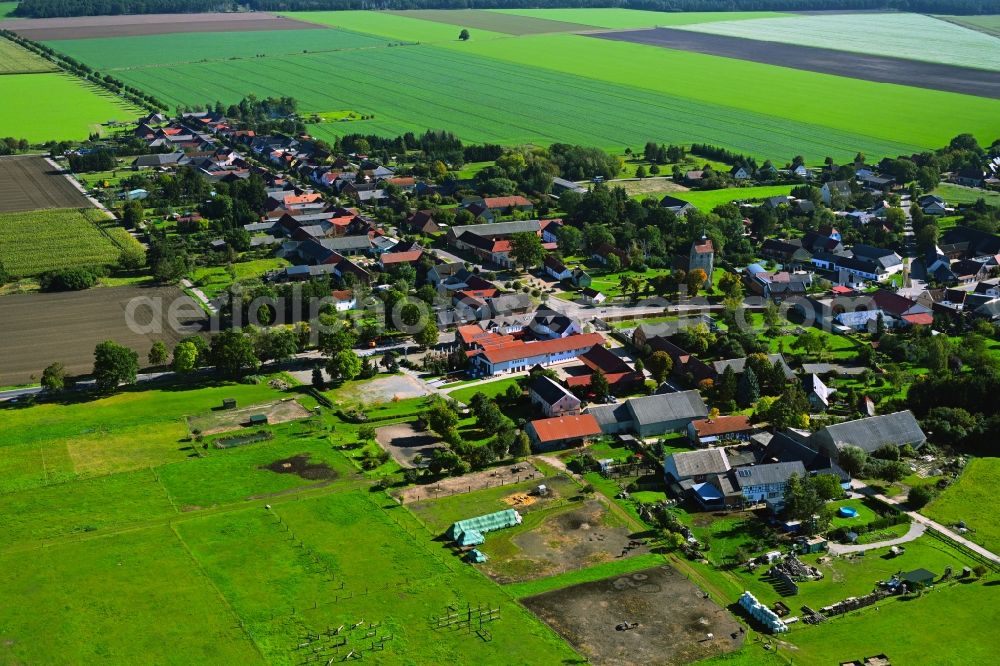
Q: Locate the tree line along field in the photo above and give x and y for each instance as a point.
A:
(35, 242)
(566, 88)
(175, 559)
(17, 60)
(911, 36)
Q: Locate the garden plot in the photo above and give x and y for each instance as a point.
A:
(225, 420)
(670, 619)
(497, 478)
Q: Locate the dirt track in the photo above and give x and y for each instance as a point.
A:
(39, 329)
(89, 27)
(30, 183)
(827, 61)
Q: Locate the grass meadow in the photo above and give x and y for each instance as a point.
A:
(990, 24)
(6, 8)
(213, 280)
(54, 106)
(162, 550)
(971, 499)
(40, 241)
(911, 36)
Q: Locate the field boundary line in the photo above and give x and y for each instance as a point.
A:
(222, 597)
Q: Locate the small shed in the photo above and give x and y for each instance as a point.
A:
(258, 419)
(476, 556)
(921, 576)
(816, 544)
(229, 403)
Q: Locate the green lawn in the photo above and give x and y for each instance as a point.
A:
(959, 194)
(213, 280)
(489, 389)
(707, 200)
(597, 572)
(865, 514)
(41, 107)
(971, 499)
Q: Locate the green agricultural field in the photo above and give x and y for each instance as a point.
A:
(553, 106)
(970, 499)
(511, 24)
(39, 241)
(560, 83)
(877, 110)
(912, 36)
(17, 60)
(632, 18)
(989, 24)
(392, 26)
(43, 107)
(109, 54)
(6, 8)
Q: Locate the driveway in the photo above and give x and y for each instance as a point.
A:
(916, 530)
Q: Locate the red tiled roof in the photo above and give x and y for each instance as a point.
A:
(401, 257)
(704, 246)
(721, 425)
(520, 349)
(342, 294)
(566, 427)
(922, 319)
(506, 202)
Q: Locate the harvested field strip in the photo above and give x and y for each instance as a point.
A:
(88, 27)
(135, 52)
(911, 36)
(552, 106)
(392, 26)
(36, 242)
(38, 329)
(30, 183)
(930, 75)
(632, 18)
(15, 59)
(875, 110)
(511, 24)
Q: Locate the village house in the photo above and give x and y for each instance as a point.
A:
(869, 434)
(720, 430)
(620, 375)
(767, 483)
(520, 356)
(562, 432)
(651, 416)
(552, 397)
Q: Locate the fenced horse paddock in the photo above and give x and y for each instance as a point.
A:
(654, 616)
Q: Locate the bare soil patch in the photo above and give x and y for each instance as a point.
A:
(225, 420)
(30, 183)
(38, 329)
(88, 27)
(659, 185)
(490, 478)
(672, 615)
(933, 76)
(300, 466)
(566, 540)
(385, 389)
(404, 442)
